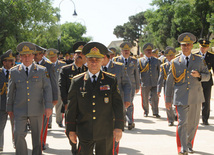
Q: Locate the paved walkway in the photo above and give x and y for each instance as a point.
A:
(151, 136)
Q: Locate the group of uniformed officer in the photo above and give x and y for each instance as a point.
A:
(96, 93)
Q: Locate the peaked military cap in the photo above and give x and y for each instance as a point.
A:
(155, 51)
(51, 52)
(67, 54)
(94, 50)
(147, 46)
(126, 46)
(39, 49)
(78, 46)
(186, 38)
(113, 50)
(26, 48)
(169, 51)
(204, 42)
(109, 52)
(8, 55)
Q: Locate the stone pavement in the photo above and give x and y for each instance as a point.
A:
(151, 136)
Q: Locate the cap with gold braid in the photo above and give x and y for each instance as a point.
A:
(78, 46)
(169, 51)
(52, 52)
(155, 51)
(113, 50)
(147, 46)
(94, 50)
(204, 42)
(126, 46)
(186, 38)
(26, 48)
(39, 49)
(8, 55)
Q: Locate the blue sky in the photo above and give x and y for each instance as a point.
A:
(101, 16)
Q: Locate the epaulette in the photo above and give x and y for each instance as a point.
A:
(177, 54)
(194, 52)
(48, 61)
(66, 65)
(41, 66)
(63, 62)
(78, 75)
(175, 58)
(109, 73)
(14, 66)
(210, 52)
(164, 64)
(198, 55)
(119, 63)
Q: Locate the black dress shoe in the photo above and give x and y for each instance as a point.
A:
(28, 126)
(49, 126)
(1, 149)
(190, 150)
(145, 115)
(60, 125)
(130, 126)
(156, 115)
(171, 124)
(176, 118)
(205, 123)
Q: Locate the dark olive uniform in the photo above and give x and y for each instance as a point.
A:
(94, 112)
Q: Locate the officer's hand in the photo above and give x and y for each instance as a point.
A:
(48, 112)
(73, 137)
(168, 105)
(10, 113)
(66, 106)
(54, 102)
(136, 91)
(127, 104)
(195, 74)
(117, 134)
(159, 94)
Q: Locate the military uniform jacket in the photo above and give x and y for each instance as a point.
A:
(149, 73)
(164, 70)
(29, 95)
(66, 74)
(58, 67)
(123, 81)
(209, 59)
(91, 110)
(3, 90)
(132, 70)
(51, 72)
(187, 89)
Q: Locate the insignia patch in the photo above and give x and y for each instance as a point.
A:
(47, 75)
(106, 99)
(104, 87)
(83, 93)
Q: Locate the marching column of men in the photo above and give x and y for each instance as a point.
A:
(108, 88)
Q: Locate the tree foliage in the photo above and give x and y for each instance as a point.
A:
(162, 26)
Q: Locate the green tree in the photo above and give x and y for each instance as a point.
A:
(71, 33)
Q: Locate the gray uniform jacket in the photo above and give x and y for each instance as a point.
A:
(57, 68)
(3, 90)
(51, 72)
(187, 89)
(29, 95)
(164, 70)
(132, 71)
(123, 81)
(149, 73)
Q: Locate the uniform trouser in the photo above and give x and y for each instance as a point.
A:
(145, 92)
(3, 121)
(44, 130)
(20, 132)
(102, 146)
(58, 108)
(206, 104)
(188, 119)
(130, 109)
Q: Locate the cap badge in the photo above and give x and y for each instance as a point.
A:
(186, 38)
(95, 51)
(80, 47)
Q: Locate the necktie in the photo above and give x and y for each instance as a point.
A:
(187, 61)
(7, 74)
(94, 80)
(37, 63)
(203, 55)
(79, 69)
(126, 61)
(105, 69)
(149, 60)
(26, 71)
